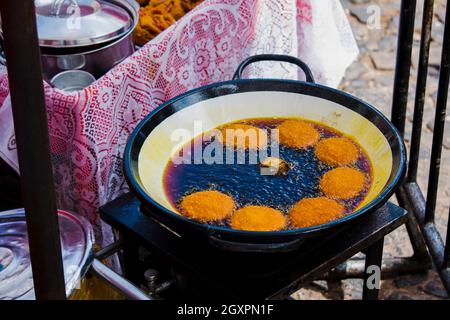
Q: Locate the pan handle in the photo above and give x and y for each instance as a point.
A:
(274, 57)
(233, 246)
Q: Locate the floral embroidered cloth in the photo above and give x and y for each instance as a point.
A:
(89, 129)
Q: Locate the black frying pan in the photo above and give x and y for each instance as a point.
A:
(237, 99)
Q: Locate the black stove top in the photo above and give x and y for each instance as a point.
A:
(201, 269)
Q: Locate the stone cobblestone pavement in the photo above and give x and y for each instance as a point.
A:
(371, 78)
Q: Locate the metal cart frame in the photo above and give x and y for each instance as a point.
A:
(27, 97)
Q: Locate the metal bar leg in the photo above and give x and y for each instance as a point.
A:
(439, 121)
(374, 258)
(425, 40)
(415, 235)
(29, 112)
(119, 283)
(429, 231)
(418, 242)
(403, 64)
(391, 268)
(131, 260)
(447, 246)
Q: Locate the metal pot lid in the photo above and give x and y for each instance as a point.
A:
(16, 279)
(74, 23)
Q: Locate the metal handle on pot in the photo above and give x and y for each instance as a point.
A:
(57, 5)
(122, 285)
(125, 287)
(274, 57)
(233, 246)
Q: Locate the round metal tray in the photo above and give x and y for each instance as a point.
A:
(16, 279)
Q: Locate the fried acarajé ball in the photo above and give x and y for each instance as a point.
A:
(157, 15)
(207, 206)
(310, 212)
(337, 151)
(298, 134)
(258, 218)
(343, 183)
(244, 136)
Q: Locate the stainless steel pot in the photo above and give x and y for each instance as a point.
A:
(96, 61)
(89, 35)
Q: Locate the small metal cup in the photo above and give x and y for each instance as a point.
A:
(71, 61)
(72, 80)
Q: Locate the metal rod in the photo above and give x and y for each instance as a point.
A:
(415, 235)
(374, 257)
(435, 244)
(403, 64)
(447, 245)
(109, 250)
(431, 234)
(417, 241)
(391, 268)
(437, 249)
(118, 282)
(439, 121)
(30, 122)
(414, 200)
(422, 72)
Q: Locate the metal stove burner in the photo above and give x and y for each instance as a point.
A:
(200, 270)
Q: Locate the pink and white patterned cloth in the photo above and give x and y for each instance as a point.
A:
(89, 129)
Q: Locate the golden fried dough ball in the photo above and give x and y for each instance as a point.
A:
(310, 212)
(342, 183)
(258, 218)
(207, 206)
(337, 151)
(244, 136)
(298, 134)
